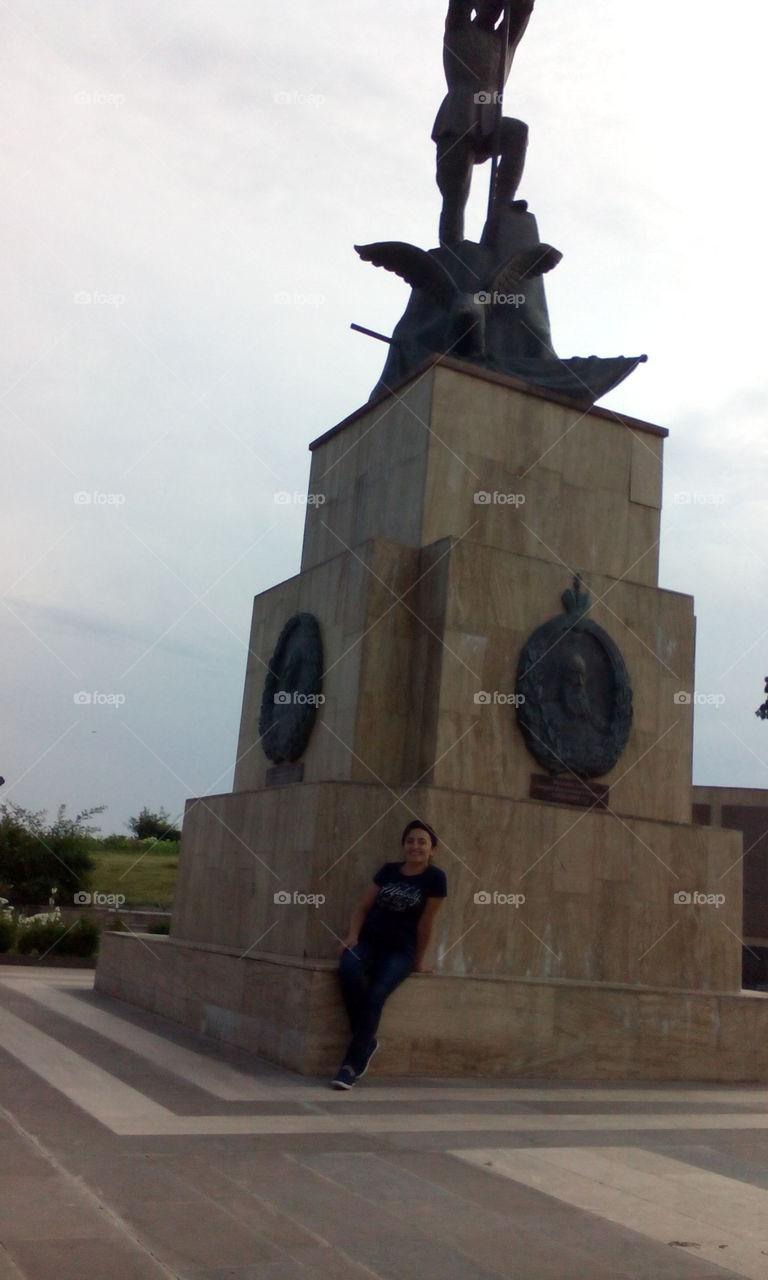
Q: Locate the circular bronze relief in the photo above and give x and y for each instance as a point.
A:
(575, 695)
(292, 690)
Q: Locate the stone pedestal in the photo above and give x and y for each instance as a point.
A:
(582, 941)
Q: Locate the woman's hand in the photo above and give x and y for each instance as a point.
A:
(348, 944)
(420, 968)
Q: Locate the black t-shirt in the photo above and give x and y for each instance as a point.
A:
(393, 919)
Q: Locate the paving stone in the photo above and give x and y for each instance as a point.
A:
(85, 1258)
(77, 1200)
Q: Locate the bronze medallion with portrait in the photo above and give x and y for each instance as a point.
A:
(292, 690)
(574, 693)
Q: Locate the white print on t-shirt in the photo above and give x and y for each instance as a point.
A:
(400, 897)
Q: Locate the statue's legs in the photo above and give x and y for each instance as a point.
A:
(513, 145)
(455, 160)
(455, 157)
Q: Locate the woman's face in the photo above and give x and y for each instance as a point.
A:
(417, 846)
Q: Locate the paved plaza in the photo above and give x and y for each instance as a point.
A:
(133, 1149)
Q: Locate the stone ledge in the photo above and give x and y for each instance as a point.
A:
(289, 1013)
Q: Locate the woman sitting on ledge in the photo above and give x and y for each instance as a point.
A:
(388, 937)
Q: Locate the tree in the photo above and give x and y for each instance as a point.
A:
(41, 859)
(153, 826)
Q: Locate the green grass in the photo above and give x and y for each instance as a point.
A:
(146, 879)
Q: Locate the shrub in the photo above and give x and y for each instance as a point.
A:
(7, 931)
(38, 933)
(39, 859)
(154, 826)
(47, 932)
(81, 940)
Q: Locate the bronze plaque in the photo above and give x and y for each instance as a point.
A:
(568, 790)
(281, 774)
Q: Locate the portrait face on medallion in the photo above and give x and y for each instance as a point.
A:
(292, 690)
(575, 704)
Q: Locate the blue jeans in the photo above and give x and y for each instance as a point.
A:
(368, 977)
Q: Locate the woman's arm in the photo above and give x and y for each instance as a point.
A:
(424, 931)
(360, 912)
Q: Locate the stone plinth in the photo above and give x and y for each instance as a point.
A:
(599, 888)
(574, 941)
(289, 1012)
(412, 639)
(409, 469)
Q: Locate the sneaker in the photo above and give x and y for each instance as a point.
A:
(345, 1078)
(367, 1062)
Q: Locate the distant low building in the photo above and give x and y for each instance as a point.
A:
(744, 809)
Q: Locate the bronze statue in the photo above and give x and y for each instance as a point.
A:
(465, 311)
(484, 301)
(469, 128)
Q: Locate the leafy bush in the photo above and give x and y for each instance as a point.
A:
(81, 940)
(154, 826)
(39, 933)
(118, 843)
(7, 928)
(47, 932)
(40, 859)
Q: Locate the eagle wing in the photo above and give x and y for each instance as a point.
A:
(524, 265)
(417, 267)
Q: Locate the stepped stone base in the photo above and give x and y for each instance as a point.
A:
(289, 1011)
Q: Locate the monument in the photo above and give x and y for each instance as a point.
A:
(475, 637)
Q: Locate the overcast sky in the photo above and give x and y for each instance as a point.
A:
(182, 187)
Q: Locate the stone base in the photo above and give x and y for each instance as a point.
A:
(289, 1012)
